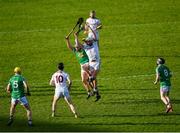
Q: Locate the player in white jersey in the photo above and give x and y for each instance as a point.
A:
(59, 80)
(91, 48)
(95, 25)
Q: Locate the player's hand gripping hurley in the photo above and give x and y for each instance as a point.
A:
(79, 22)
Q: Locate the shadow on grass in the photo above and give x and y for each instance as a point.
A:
(58, 124)
(136, 101)
(128, 89)
(20, 125)
(133, 115)
(137, 56)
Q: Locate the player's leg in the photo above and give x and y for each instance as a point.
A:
(86, 68)
(96, 90)
(95, 70)
(14, 102)
(84, 77)
(167, 97)
(29, 114)
(70, 103)
(57, 96)
(169, 105)
(162, 95)
(26, 105)
(54, 104)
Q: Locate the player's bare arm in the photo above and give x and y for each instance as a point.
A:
(8, 88)
(99, 27)
(69, 83)
(26, 87)
(95, 38)
(77, 40)
(68, 43)
(52, 82)
(157, 78)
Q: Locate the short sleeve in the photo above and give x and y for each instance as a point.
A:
(67, 76)
(9, 81)
(52, 78)
(23, 79)
(87, 20)
(98, 21)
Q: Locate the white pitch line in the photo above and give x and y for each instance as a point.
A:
(29, 31)
(120, 77)
(105, 78)
(60, 28)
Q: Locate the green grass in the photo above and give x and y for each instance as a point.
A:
(134, 34)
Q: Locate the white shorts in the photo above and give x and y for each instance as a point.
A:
(94, 65)
(165, 89)
(84, 67)
(61, 93)
(22, 100)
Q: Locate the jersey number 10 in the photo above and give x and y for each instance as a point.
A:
(59, 79)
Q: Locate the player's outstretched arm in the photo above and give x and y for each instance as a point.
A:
(99, 26)
(68, 43)
(77, 40)
(95, 38)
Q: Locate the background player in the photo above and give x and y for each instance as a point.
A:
(95, 25)
(58, 80)
(163, 76)
(17, 87)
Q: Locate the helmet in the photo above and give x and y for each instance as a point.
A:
(17, 70)
(92, 14)
(160, 61)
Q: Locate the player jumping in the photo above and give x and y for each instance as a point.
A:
(84, 63)
(91, 48)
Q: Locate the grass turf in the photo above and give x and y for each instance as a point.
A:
(134, 34)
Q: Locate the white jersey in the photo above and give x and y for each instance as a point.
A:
(93, 23)
(59, 78)
(92, 51)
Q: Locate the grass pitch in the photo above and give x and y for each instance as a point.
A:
(134, 34)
